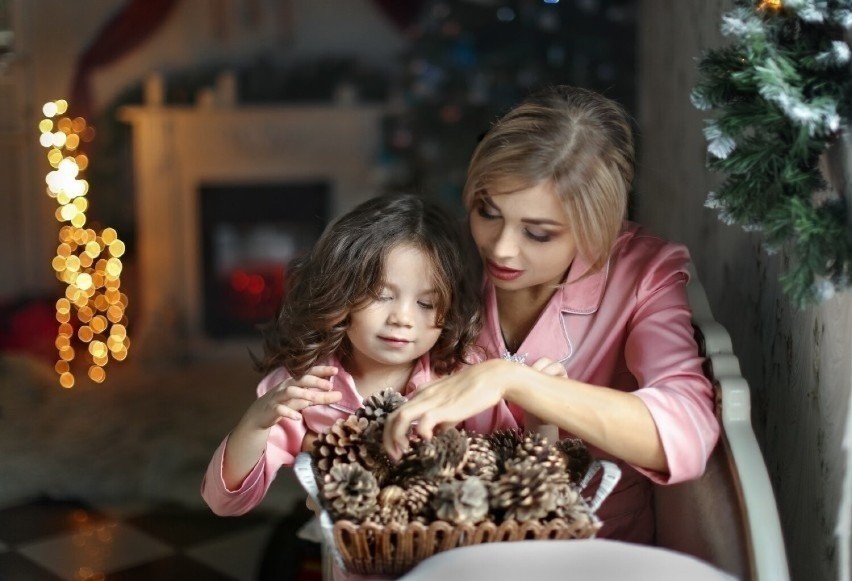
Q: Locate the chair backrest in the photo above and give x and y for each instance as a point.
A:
(728, 517)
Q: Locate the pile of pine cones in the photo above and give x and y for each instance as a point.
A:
(457, 477)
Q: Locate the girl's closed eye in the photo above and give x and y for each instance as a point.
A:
(428, 305)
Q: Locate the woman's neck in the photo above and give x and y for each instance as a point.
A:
(518, 311)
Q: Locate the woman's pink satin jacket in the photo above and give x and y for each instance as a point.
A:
(628, 326)
(285, 438)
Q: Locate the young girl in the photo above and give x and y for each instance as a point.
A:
(383, 301)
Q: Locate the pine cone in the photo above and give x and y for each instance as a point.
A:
(577, 457)
(441, 457)
(349, 491)
(567, 497)
(525, 491)
(340, 445)
(378, 406)
(504, 442)
(392, 506)
(461, 501)
(536, 446)
(352, 440)
(418, 496)
(371, 452)
(482, 461)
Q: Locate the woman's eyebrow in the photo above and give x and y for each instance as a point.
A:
(534, 221)
(541, 222)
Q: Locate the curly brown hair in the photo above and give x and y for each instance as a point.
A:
(345, 271)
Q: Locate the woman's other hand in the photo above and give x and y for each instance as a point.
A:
(550, 367)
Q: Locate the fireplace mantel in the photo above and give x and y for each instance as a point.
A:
(177, 149)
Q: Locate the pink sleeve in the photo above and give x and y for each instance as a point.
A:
(497, 418)
(282, 446)
(662, 354)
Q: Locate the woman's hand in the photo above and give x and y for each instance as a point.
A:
(291, 396)
(550, 367)
(446, 402)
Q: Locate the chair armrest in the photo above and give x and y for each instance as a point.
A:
(761, 514)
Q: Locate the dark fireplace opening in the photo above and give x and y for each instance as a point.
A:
(249, 235)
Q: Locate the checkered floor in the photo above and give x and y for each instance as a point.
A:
(66, 541)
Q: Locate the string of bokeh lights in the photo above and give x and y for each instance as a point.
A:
(92, 314)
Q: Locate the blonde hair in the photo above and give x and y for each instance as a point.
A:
(578, 140)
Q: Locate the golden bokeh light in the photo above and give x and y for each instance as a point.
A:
(92, 310)
(85, 334)
(72, 142)
(97, 374)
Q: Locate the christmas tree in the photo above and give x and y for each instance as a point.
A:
(782, 94)
(470, 61)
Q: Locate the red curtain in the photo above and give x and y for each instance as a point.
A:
(130, 27)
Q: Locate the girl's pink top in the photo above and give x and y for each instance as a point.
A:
(629, 327)
(285, 438)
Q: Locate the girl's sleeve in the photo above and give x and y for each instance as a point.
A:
(282, 446)
(662, 354)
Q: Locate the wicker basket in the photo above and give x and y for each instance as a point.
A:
(392, 550)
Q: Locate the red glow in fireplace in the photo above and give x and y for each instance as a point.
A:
(250, 233)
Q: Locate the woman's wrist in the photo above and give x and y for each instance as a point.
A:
(510, 379)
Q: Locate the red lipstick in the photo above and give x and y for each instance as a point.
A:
(502, 273)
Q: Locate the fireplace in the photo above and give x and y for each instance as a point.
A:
(249, 234)
(240, 164)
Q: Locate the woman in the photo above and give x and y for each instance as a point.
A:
(569, 281)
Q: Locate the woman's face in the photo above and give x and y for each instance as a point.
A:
(523, 237)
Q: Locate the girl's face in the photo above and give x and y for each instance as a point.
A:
(400, 326)
(523, 237)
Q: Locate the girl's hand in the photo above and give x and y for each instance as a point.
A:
(446, 402)
(291, 396)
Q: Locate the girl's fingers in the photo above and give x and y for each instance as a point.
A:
(319, 376)
(286, 411)
(293, 395)
(316, 377)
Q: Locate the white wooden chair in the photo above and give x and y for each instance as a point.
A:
(728, 517)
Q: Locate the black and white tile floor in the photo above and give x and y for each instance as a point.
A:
(66, 541)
